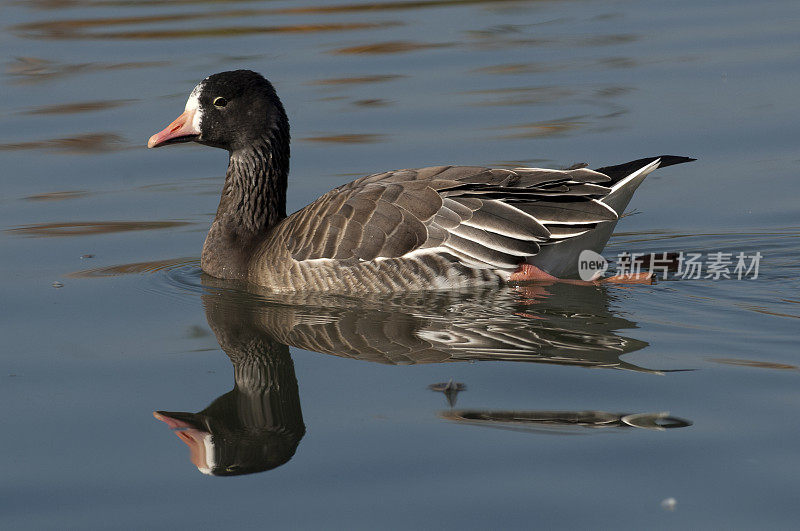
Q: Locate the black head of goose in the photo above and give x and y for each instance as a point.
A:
(439, 227)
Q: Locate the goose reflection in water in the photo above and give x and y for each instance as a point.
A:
(258, 425)
(563, 420)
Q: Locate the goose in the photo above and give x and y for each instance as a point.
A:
(433, 228)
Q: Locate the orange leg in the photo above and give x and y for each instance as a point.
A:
(630, 278)
(526, 272)
(530, 272)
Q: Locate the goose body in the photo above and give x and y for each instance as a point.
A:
(440, 227)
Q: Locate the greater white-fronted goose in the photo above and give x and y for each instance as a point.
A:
(441, 227)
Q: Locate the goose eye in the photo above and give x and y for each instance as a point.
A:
(220, 102)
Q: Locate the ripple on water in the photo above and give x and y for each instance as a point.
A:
(85, 228)
(779, 247)
(136, 268)
(102, 142)
(78, 107)
(30, 70)
(58, 196)
(101, 28)
(752, 318)
(172, 277)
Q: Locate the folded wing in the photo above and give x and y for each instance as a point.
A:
(484, 218)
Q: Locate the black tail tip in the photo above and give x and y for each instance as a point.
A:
(620, 171)
(669, 160)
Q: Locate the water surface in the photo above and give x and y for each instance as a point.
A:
(579, 404)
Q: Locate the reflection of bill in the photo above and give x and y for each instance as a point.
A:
(200, 443)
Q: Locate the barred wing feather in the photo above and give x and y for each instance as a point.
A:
(483, 217)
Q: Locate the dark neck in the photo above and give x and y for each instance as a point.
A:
(254, 194)
(253, 201)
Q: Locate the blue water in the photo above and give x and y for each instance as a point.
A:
(106, 317)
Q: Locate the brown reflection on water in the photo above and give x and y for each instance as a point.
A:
(548, 128)
(83, 28)
(372, 102)
(502, 43)
(58, 196)
(352, 138)
(617, 62)
(586, 123)
(490, 40)
(607, 40)
(238, 31)
(86, 228)
(521, 96)
(71, 30)
(36, 69)
(523, 163)
(133, 269)
(507, 35)
(603, 63)
(356, 80)
(78, 107)
(755, 364)
(765, 311)
(391, 47)
(520, 68)
(86, 143)
(612, 91)
(386, 6)
(340, 8)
